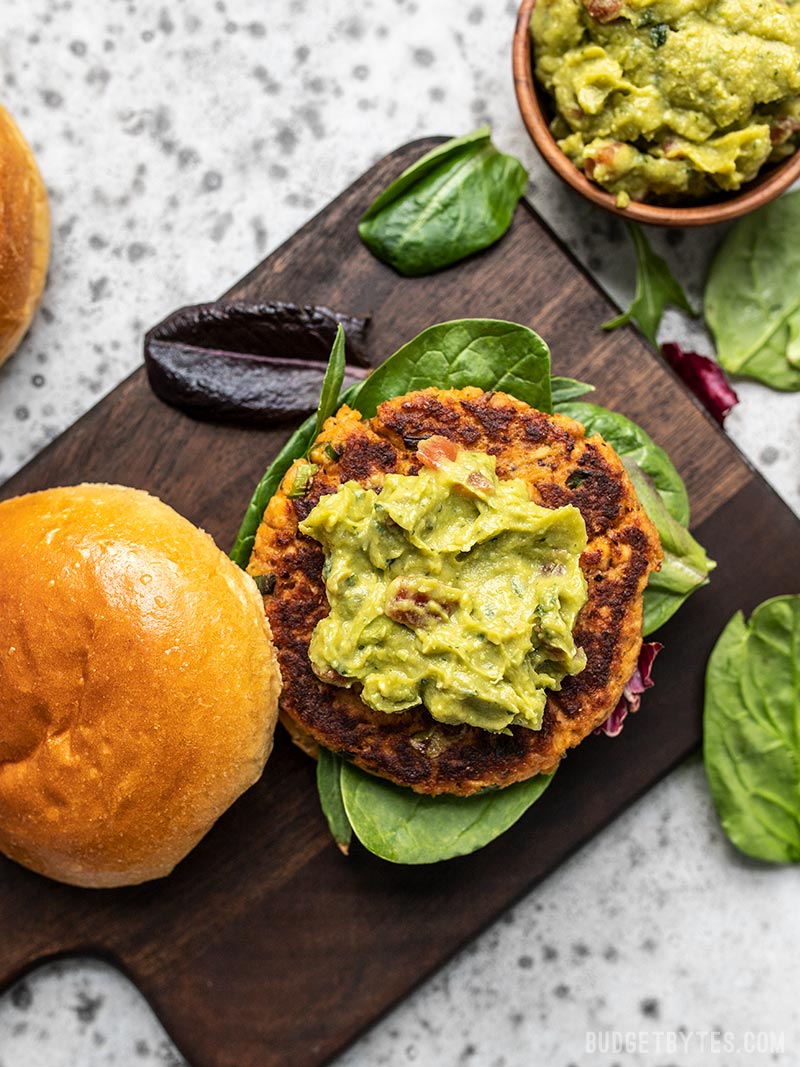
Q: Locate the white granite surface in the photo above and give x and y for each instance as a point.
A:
(180, 144)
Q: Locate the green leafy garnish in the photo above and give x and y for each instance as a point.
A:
(329, 785)
(455, 200)
(752, 298)
(685, 567)
(751, 744)
(487, 353)
(406, 827)
(656, 288)
(331, 383)
(632, 442)
(565, 389)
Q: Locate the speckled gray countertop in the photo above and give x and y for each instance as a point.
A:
(181, 144)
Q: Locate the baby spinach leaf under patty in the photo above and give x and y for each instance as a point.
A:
(752, 299)
(406, 827)
(452, 202)
(685, 567)
(487, 353)
(329, 786)
(655, 289)
(631, 441)
(751, 742)
(564, 389)
(332, 383)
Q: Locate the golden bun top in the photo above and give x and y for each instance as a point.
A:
(24, 235)
(138, 684)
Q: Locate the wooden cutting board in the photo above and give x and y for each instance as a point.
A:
(266, 946)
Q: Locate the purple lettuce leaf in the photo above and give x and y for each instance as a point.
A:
(632, 693)
(704, 377)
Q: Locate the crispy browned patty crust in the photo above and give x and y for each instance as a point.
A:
(561, 466)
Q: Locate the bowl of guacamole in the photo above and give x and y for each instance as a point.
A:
(686, 109)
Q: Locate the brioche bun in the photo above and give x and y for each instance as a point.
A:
(24, 235)
(138, 684)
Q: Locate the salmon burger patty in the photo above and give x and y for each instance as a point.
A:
(560, 466)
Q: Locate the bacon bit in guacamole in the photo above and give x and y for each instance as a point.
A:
(671, 99)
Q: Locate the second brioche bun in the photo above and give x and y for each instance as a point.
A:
(24, 235)
(138, 684)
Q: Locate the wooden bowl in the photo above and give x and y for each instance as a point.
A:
(533, 104)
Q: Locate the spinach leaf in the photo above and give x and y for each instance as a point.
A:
(425, 164)
(752, 299)
(331, 383)
(751, 745)
(655, 289)
(405, 827)
(686, 566)
(329, 785)
(631, 441)
(564, 389)
(456, 200)
(488, 353)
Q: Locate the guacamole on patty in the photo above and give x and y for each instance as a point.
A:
(449, 588)
(671, 99)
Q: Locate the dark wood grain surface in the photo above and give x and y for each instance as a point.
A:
(266, 946)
